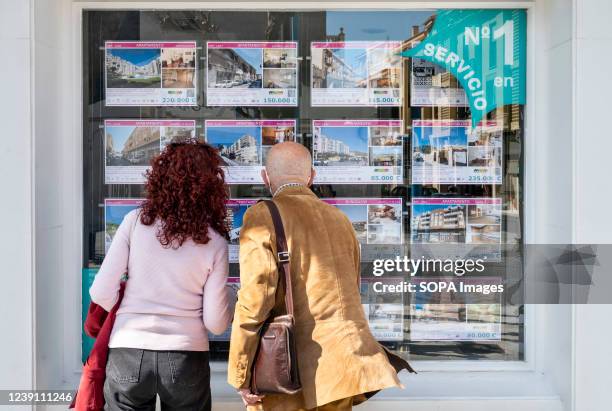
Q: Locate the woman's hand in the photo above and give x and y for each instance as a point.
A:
(248, 398)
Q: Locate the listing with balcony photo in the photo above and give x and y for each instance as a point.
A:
(356, 73)
(451, 152)
(458, 316)
(115, 209)
(384, 311)
(236, 207)
(376, 221)
(143, 73)
(130, 145)
(252, 73)
(455, 322)
(244, 144)
(358, 151)
(431, 85)
(456, 221)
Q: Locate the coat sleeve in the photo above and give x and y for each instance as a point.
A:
(256, 298)
(356, 249)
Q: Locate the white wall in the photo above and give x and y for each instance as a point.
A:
(574, 49)
(593, 145)
(549, 190)
(592, 148)
(52, 72)
(16, 241)
(31, 173)
(549, 129)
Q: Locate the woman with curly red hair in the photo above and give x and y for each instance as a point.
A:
(175, 250)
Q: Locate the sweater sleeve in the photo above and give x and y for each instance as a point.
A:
(217, 299)
(105, 289)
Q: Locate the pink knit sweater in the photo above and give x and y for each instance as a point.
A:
(173, 296)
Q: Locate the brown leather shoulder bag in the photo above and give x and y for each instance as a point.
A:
(275, 370)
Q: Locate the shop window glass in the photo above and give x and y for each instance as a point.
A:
(334, 82)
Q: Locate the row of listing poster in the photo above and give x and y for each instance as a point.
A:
(377, 221)
(344, 151)
(265, 73)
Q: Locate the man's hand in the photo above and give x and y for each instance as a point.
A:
(248, 398)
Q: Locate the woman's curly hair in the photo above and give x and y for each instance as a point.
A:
(186, 191)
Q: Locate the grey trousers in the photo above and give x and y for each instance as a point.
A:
(135, 377)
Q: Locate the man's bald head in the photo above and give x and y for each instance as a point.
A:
(288, 162)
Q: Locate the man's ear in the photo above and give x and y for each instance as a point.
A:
(264, 177)
(313, 173)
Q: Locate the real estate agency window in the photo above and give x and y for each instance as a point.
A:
(391, 137)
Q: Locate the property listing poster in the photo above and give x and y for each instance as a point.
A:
(384, 311)
(375, 220)
(451, 152)
(129, 146)
(356, 73)
(456, 220)
(244, 144)
(252, 73)
(115, 209)
(358, 151)
(431, 85)
(236, 207)
(443, 316)
(147, 73)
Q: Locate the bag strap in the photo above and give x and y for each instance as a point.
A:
(283, 256)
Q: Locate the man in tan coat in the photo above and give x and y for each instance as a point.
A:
(340, 363)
